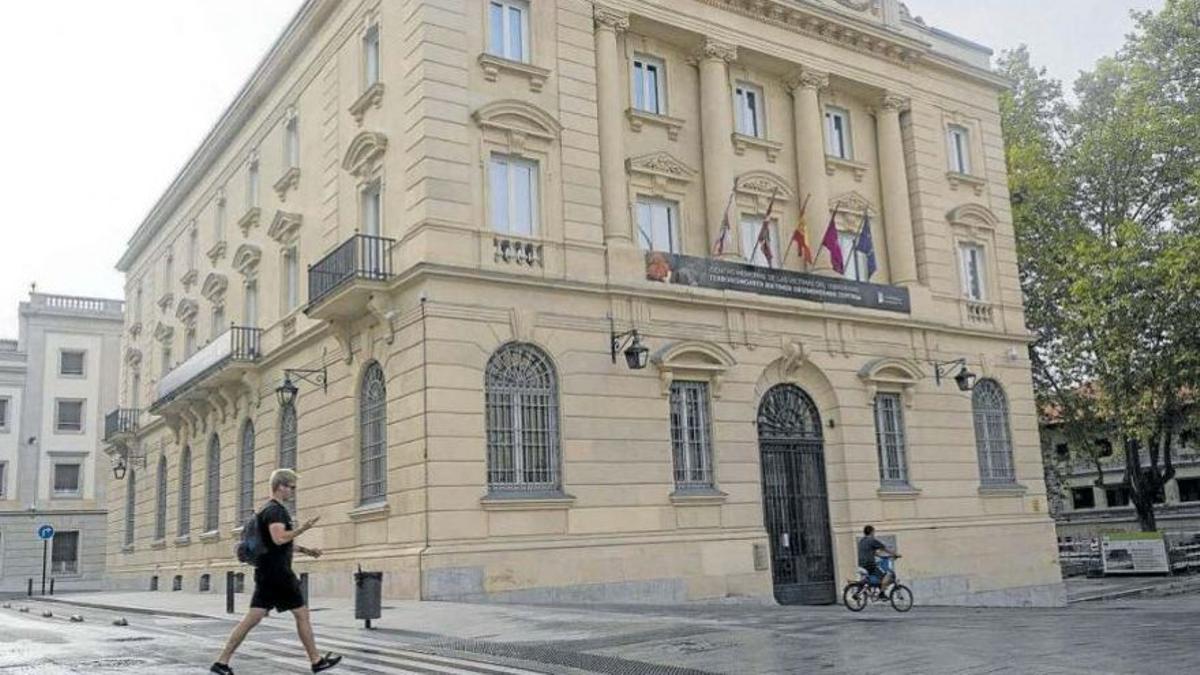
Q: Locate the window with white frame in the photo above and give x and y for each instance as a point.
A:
(71, 362)
(658, 224)
(372, 210)
(514, 192)
(291, 142)
(958, 149)
(691, 435)
(64, 553)
(837, 132)
(4, 413)
(748, 105)
(371, 55)
(890, 439)
(251, 306)
(68, 415)
(508, 29)
(291, 278)
(752, 249)
(647, 82)
(993, 437)
(67, 479)
(973, 278)
(855, 261)
(252, 185)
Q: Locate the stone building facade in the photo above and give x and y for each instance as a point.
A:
(57, 379)
(440, 214)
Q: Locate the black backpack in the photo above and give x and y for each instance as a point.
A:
(252, 547)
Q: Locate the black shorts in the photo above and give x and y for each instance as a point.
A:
(280, 592)
(873, 570)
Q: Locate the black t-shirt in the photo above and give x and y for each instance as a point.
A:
(866, 550)
(276, 562)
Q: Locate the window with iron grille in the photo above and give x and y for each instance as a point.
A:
(287, 445)
(71, 363)
(3, 480)
(246, 474)
(372, 481)
(890, 440)
(185, 492)
(691, 435)
(993, 440)
(212, 485)
(160, 502)
(130, 505)
(64, 553)
(69, 415)
(523, 445)
(67, 480)
(4, 413)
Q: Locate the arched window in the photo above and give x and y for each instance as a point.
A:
(160, 503)
(185, 492)
(212, 485)
(522, 420)
(287, 445)
(246, 474)
(130, 505)
(372, 412)
(993, 440)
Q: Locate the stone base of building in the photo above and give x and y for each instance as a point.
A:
(958, 591)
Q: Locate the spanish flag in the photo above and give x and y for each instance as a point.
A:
(800, 238)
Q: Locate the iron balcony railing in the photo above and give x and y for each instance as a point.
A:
(121, 421)
(359, 257)
(238, 344)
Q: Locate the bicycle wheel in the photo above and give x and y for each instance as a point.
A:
(902, 598)
(854, 597)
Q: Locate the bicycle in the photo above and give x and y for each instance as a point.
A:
(859, 592)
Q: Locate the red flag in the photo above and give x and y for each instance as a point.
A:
(835, 248)
(764, 233)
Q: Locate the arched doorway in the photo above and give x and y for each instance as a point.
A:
(795, 498)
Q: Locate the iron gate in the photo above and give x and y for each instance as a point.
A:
(795, 500)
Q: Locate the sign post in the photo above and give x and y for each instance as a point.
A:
(45, 533)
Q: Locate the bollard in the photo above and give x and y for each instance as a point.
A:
(76, 618)
(120, 621)
(51, 585)
(229, 592)
(30, 591)
(304, 587)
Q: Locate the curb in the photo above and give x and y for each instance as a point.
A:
(131, 610)
(1167, 589)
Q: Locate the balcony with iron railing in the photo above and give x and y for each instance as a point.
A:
(220, 362)
(341, 283)
(121, 424)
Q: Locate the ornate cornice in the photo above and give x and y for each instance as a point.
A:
(186, 311)
(364, 153)
(660, 164)
(246, 259)
(214, 287)
(284, 226)
(611, 19)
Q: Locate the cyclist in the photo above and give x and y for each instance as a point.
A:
(867, 548)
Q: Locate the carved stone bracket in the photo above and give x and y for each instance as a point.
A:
(715, 49)
(377, 307)
(610, 19)
(249, 220)
(807, 78)
(371, 98)
(340, 330)
(290, 179)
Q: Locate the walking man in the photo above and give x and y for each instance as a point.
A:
(275, 585)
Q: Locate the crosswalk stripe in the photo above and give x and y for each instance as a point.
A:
(430, 663)
(462, 662)
(352, 665)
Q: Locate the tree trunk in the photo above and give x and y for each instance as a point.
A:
(1144, 504)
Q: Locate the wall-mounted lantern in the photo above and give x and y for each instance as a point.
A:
(965, 379)
(637, 355)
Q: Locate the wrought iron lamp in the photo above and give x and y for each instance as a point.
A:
(286, 392)
(629, 343)
(965, 379)
(118, 467)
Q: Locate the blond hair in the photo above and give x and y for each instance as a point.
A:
(281, 476)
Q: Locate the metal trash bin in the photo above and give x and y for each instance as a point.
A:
(368, 595)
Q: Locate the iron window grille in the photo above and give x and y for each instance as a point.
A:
(130, 505)
(212, 485)
(523, 445)
(185, 492)
(67, 480)
(691, 435)
(993, 440)
(373, 438)
(287, 445)
(890, 440)
(64, 555)
(246, 474)
(160, 505)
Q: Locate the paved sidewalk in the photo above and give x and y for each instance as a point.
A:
(1082, 589)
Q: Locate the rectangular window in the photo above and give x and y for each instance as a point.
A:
(168, 272)
(658, 225)
(837, 133)
(855, 261)
(1083, 498)
(691, 435)
(252, 185)
(71, 362)
(748, 104)
(166, 359)
(4, 413)
(64, 555)
(3, 480)
(291, 143)
(291, 278)
(371, 55)
(135, 398)
(372, 210)
(189, 342)
(67, 480)
(513, 195)
(960, 154)
(1116, 496)
(508, 29)
(218, 321)
(751, 248)
(648, 85)
(193, 248)
(889, 440)
(219, 221)
(974, 283)
(251, 308)
(1189, 489)
(69, 415)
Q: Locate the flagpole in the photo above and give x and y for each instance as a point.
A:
(725, 218)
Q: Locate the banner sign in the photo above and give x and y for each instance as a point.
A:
(686, 270)
(1135, 553)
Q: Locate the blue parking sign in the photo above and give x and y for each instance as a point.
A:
(45, 532)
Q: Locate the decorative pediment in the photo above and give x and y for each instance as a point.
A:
(892, 372)
(692, 358)
(364, 153)
(851, 202)
(518, 118)
(186, 311)
(764, 184)
(662, 164)
(284, 226)
(214, 287)
(973, 215)
(163, 332)
(246, 259)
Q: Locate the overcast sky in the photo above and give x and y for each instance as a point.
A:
(98, 121)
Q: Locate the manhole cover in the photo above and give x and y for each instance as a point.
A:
(113, 664)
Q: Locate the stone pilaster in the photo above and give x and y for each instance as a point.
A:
(897, 210)
(716, 129)
(610, 22)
